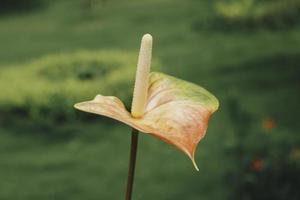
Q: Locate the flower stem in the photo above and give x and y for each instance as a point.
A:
(140, 94)
(132, 161)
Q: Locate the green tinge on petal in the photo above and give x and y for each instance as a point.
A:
(177, 111)
(182, 90)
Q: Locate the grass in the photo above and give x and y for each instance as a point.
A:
(257, 68)
(90, 161)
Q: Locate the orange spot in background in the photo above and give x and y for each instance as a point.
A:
(268, 124)
(256, 165)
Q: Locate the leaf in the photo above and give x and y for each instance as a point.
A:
(177, 111)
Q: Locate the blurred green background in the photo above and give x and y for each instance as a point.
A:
(56, 53)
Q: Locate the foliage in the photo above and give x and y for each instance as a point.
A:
(19, 5)
(271, 13)
(48, 87)
(267, 158)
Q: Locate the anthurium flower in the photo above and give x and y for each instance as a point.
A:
(174, 110)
